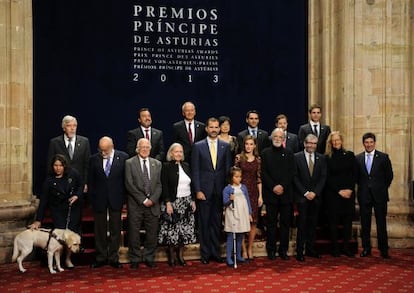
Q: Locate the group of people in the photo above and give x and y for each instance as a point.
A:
(180, 196)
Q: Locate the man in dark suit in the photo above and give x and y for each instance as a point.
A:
(143, 185)
(374, 177)
(75, 148)
(291, 141)
(107, 195)
(277, 185)
(309, 182)
(210, 163)
(315, 127)
(155, 136)
(262, 137)
(188, 131)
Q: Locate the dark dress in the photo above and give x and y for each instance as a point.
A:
(251, 176)
(341, 175)
(55, 196)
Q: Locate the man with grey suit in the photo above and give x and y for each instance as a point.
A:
(155, 136)
(143, 184)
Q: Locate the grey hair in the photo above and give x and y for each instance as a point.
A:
(67, 119)
(170, 149)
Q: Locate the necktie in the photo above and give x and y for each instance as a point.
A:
(284, 143)
(254, 133)
(147, 184)
(190, 133)
(310, 165)
(108, 164)
(70, 148)
(315, 129)
(368, 164)
(146, 134)
(213, 154)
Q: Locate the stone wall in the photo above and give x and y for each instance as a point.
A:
(360, 70)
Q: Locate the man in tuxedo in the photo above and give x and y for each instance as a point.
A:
(262, 137)
(155, 136)
(210, 164)
(188, 131)
(143, 185)
(291, 141)
(374, 177)
(75, 148)
(315, 127)
(309, 182)
(107, 195)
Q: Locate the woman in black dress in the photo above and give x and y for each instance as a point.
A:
(339, 192)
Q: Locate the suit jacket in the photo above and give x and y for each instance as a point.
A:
(306, 129)
(134, 183)
(205, 177)
(303, 181)
(169, 179)
(377, 182)
(262, 139)
(292, 142)
(107, 191)
(157, 143)
(180, 135)
(81, 154)
(283, 174)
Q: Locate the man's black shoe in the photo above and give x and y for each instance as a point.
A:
(204, 261)
(313, 254)
(283, 256)
(300, 258)
(365, 253)
(134, 265)
(150, 264)
(116, 265)
(347, 253)
(98, 264)
(218, 259)
(385, 255)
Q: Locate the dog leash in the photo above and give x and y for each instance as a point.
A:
(68, 216)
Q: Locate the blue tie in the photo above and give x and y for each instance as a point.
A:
(254, 133)
(368, 164)
(107, 166)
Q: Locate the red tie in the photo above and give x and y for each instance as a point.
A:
(146, 134)
(190, 133)
(284, 143)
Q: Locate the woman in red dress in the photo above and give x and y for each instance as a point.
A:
(250, 163)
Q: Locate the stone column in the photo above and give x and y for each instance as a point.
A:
(361, 71)
(16, 99)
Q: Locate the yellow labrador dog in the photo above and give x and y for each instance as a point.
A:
(52, 241)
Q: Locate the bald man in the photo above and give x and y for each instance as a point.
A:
(107, 195)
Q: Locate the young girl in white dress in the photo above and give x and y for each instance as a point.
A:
(237, 214)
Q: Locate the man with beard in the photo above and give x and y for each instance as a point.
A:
(278, 170)
(210, 164)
